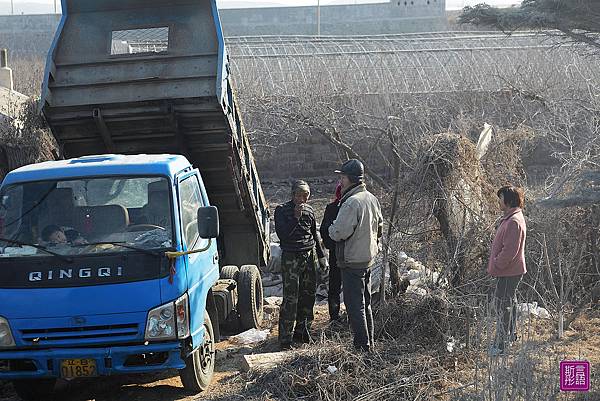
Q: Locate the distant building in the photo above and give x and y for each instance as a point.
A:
(11, 101)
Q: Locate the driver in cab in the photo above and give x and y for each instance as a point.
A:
(56, 235)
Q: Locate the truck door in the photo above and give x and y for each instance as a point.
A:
(202, 268)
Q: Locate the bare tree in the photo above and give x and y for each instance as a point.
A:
(578, 21)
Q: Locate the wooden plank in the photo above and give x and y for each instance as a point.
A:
(264, 361)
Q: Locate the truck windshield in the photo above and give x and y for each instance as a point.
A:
(83, 216)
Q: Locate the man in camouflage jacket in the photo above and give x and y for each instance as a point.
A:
(296, 227)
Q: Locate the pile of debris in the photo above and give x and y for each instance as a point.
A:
(335, 371)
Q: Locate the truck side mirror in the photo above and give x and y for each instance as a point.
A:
(208, 222)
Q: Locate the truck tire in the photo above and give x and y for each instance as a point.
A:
(200, 364)
(230, 272)
(34, 390)
(250, 298)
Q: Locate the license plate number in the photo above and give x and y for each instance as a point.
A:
(74, 368)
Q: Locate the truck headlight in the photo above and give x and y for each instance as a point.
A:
(161, 323)
(169, 321)
(6, 338)
(182, 313)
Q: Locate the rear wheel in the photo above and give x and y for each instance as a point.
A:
(34, 390)
(200, 365)
(230, 272)
(250, 297)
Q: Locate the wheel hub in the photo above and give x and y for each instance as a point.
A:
(206, 355)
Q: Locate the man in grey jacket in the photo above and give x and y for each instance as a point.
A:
(356, 231)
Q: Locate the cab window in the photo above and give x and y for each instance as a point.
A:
(190, 199)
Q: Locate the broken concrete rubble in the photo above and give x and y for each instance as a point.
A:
(421, 279)
(274, 265)
(250, 337)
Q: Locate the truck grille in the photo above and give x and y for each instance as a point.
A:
(80, 335)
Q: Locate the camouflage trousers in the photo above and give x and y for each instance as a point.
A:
(299, 290)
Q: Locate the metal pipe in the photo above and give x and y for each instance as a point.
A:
(318, 17)
(12, 7)
(55, 9)
(3, 58)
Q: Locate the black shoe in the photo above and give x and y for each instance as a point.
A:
(286, 346)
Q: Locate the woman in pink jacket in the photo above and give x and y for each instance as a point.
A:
(507, 263)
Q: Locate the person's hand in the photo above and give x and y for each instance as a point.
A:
(298, 210)
(323, 263)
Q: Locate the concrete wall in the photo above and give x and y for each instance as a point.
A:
(32, 34)
(36, 23)
(27, 35)
(360, 19)
(311, 156)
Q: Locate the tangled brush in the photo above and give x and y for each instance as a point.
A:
(425, 322)
(391, 375)
(25, 140)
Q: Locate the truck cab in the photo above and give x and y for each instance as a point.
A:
(133, 251)
(109, 265)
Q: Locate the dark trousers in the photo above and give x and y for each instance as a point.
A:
(299, 290)
(335, 287)
(506, 309)
(357, 297)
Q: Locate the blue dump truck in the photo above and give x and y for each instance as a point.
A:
(134, 251)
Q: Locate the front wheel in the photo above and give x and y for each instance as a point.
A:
(200, 364)
(34, 390)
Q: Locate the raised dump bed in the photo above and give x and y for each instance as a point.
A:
(149, 76)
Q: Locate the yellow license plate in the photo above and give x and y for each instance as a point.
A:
(74, 368)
